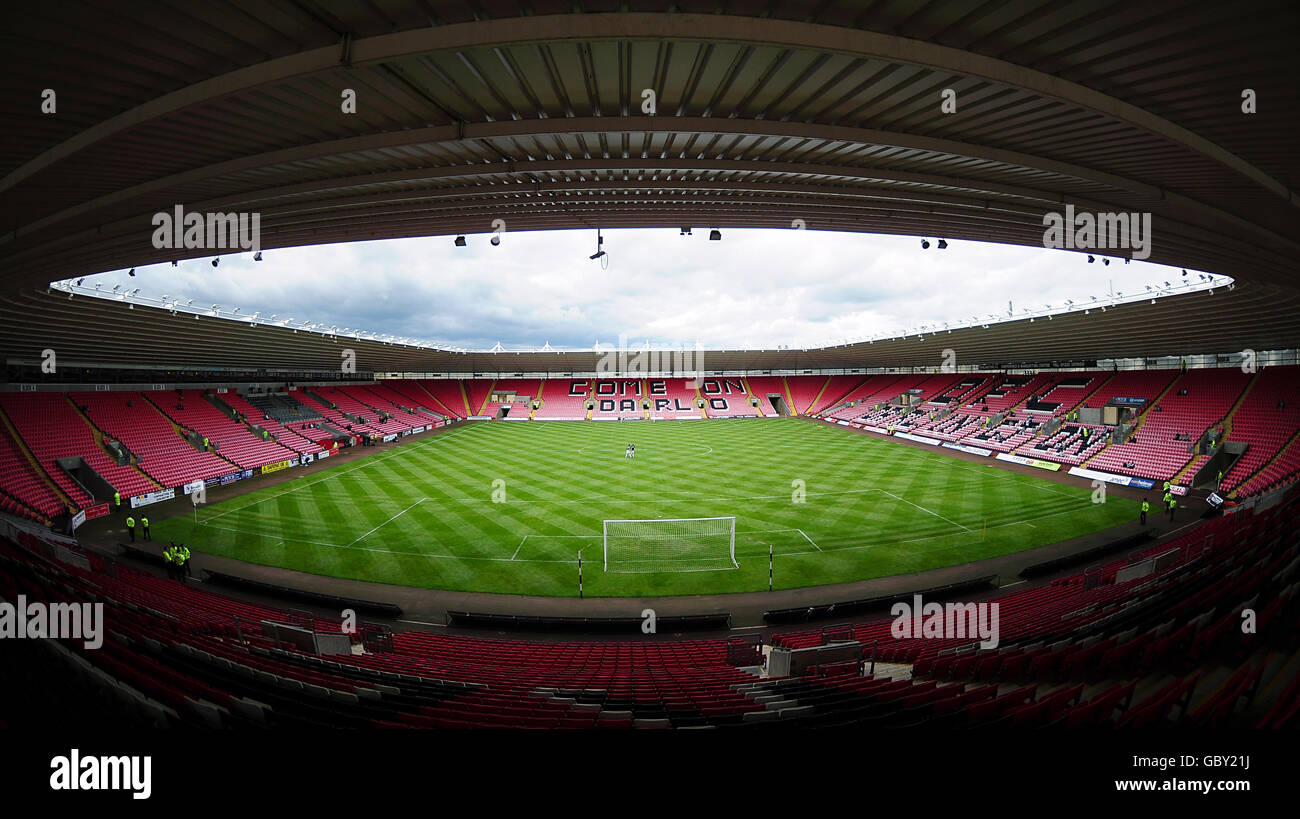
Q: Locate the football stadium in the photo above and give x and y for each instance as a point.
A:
(1057, 488)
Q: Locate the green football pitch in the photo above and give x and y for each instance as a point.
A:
(507, 507)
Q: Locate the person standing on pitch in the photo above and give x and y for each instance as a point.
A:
(130, 527)
(144, 525)
(1146, 507)
(169, 558)
(1173, 503)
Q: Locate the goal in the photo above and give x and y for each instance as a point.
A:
(670, 545)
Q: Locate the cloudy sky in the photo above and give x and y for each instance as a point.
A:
(755, 288)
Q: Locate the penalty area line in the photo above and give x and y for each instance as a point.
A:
(810, 540)
(385, 523)
(923, 509)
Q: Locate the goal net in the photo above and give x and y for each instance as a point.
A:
(670, 545)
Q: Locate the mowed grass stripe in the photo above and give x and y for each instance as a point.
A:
(563, 479)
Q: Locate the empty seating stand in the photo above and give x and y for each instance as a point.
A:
(52, 429)
(1161, 445)
(162, 452)
(236, 441)
(564, 399)
(1121, 654)
(24, 492)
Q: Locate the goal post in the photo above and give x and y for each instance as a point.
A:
(670, 545)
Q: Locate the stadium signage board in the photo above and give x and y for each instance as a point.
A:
(1023, 461)
(96, 511)
(275, 467)
(1108, 477)
(919, 439)
(1092, 474)
(193, 486)
(1128, 400)
(152, 497)
(973, 450)
(78, 519)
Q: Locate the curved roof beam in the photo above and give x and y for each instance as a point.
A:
(861, 188)
(644, 124)
(647, 26)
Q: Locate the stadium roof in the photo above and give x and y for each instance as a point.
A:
(97, 331)
(765, 113)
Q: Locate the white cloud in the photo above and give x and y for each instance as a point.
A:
(755, 288)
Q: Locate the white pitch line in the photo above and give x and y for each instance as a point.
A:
(923, 509)
(428, 555)
(371, 461)
(930, 537)
(432, 556)
(385, 523)
(517, 548)
(569, 537)
(810, 540)
(262, 534)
